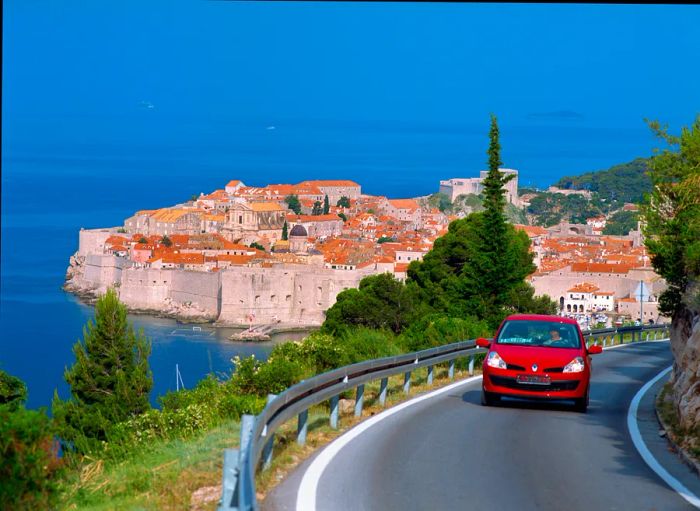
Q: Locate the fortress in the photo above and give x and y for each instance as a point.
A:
(455, 187)
(288, 293)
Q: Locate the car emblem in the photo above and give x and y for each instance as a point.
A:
(534, 368)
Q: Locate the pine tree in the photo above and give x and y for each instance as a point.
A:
(285, 233)
(110, 379)
(165, 240)
(326, 205)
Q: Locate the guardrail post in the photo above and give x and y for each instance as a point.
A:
(302, 427)
(382, 391)
(268, 447)
(407, 382)
(359, 400)
(605, 342)
(430, 375)
(622, 338)
(334, 412)
(451, 370)
(471, 365)
(247, 423)
(230, 480)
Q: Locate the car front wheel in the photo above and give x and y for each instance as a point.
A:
(489, 398)
(581, 405)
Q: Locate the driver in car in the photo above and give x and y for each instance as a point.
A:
(553, 336)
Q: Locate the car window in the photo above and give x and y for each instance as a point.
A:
(539, 333)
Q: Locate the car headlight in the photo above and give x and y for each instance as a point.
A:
(495, 360)
(575, 366)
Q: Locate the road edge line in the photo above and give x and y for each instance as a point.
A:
(306, 494)
(643, 450)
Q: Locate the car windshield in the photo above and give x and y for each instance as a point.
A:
(539, 333)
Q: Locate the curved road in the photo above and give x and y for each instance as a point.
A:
(449, 452)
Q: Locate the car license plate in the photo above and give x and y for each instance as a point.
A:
(531, 379)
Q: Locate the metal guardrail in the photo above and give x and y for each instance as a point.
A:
(257, 432)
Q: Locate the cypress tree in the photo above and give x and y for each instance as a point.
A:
(285, 233)
(110, 379)
(326, 205)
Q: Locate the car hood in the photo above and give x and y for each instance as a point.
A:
(544, 357)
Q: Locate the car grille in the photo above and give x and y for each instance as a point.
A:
(554, 370)
(514, 367)
(512, 383)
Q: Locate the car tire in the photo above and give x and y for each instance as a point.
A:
(489, 398)
(581, 405)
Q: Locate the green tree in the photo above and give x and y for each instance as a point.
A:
(343, 202)
(672, 215)
(257, 245)
(143, 240)
(110, 379)
(380, 302)
(343, 217)
(474, 268)
(385, 239)
(441, 201)
(326, 205)
(285, 233)
(165, 240)
(317, 209)
(13, 391)
(293, 203)
(29, 465)
(621, 223)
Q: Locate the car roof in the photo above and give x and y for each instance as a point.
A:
(541, 317)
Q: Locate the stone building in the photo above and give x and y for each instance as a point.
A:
(318, 226)
(455, 187)
(298, 239)
(249, 222)
(335, 189)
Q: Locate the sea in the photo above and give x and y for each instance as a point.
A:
(96, 171)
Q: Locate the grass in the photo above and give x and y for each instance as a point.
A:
(162, 477)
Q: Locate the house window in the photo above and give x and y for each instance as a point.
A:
(240, 219)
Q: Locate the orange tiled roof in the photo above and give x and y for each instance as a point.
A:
(330, 183)
(600, 267)
(409, 204)
(586, 287)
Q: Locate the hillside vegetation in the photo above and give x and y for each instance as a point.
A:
(627, 182)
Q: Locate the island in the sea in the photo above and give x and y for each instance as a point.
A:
(280, 254)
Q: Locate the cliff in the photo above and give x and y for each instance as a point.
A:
(685, 377)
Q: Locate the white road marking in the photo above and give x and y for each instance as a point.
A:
(633, 427)
(306, 496)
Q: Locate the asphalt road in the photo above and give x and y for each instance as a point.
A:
(449, 452)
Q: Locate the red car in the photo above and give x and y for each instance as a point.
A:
(537, 357)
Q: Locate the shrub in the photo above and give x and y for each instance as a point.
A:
(252, 376)
(436, 330)
(30, 466)
(363, 344)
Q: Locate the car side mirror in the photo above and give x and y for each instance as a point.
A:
(595, 349)
(483, 343)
